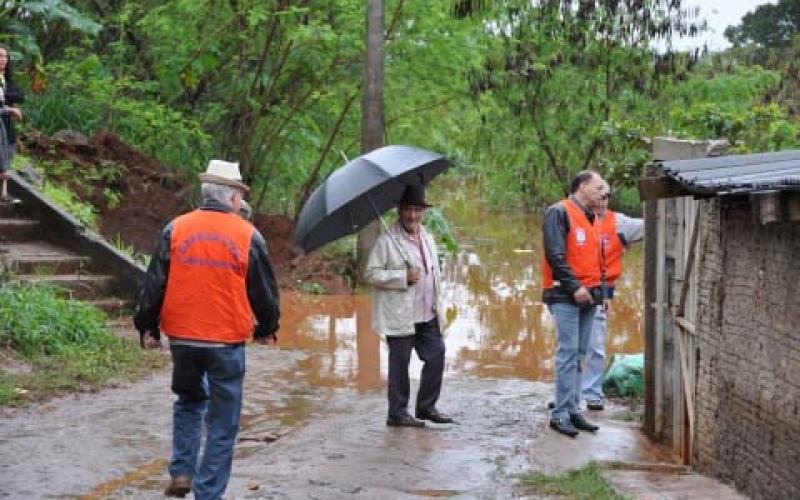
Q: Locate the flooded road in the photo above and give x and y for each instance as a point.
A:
(321, 394)
(496, 324)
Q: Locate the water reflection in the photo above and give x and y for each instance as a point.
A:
(496, 324)
(337, 329)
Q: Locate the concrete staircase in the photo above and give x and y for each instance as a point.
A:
(40, 243)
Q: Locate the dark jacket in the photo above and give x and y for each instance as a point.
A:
(262, 289)
(13, 96)
(555, 229)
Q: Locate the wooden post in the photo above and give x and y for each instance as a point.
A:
(673, 272)
(685, 345)
(652, 378)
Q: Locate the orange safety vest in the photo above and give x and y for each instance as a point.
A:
(206, 297)
(611, 247)
(583, 249)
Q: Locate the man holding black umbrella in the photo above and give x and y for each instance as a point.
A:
(403, 268)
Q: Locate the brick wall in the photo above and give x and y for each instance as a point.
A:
(747, 424)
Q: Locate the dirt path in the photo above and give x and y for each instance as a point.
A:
(332, 441)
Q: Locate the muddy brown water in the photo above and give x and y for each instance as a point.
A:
(321, 394)
(496, 324)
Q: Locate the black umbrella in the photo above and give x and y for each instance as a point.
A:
(359, 192)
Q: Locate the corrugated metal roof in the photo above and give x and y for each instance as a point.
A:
(737, 173)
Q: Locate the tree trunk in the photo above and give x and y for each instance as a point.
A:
(372, 121)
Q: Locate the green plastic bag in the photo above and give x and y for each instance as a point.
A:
(625, 377)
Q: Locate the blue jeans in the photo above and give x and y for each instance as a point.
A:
(596, 358)
(574, 324)
(208, 382)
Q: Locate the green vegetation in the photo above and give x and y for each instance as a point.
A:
(86, 95)
(143, 259)
(436, 222)
(586, 483)
(66, 199)
(520, 95)
(312, 288)
(579, 86)
(68, 186)
(64, 343)
(769, 25)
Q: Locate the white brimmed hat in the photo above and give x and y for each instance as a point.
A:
(225, 173)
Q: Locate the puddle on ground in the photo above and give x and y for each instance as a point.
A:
(142, 473)
(435, 493)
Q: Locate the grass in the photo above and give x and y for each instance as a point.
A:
(585, 483)
(62, 345)
(67, 200)
(128, 250)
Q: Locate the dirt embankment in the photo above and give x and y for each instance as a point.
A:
(150, 195)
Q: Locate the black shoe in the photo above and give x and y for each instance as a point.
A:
(435, 416)
(404, 421)
(563, 426)
(582, 424)
(594, 404)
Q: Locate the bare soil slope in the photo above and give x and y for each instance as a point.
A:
(152, 195)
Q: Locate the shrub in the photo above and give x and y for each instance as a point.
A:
(66, 343)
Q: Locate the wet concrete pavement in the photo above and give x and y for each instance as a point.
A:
(660, 485)
(332, 443)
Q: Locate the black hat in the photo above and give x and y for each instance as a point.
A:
(413, 194)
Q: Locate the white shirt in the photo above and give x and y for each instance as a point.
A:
(421, 258)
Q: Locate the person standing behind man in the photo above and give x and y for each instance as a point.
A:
(616, 232)
(403, 268)
(10, 96)
(571, 281)
(209, 274)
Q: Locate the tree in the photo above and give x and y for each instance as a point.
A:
(372, 102)
(372, 123)
(719, 102)
(28, 24)
(769, 25)
(579, 78)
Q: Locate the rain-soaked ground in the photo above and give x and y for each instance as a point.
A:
(320, 392)
(332, 441)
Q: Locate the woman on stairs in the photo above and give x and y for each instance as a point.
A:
(10, 96)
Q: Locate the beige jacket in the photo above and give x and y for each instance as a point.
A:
(392, 297)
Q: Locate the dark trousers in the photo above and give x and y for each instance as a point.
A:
(427, 341)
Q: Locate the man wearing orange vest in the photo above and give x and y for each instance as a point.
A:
(208, 276)
(616, 231)
(571, 271)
